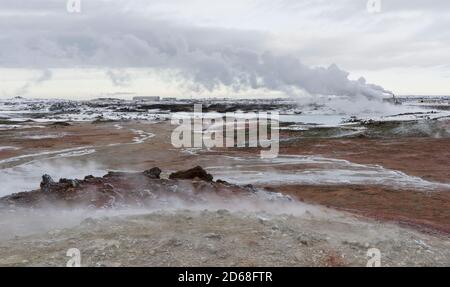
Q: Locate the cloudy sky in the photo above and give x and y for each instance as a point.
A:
(201, 48)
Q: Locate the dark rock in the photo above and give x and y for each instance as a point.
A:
(60, 124)
(120, 189)
(153, 173)
(47, 182)
(196, 172)
(116, 174)
(69, 182)
(63, 106)
(108, 186)
(101, 120)
(250, 187)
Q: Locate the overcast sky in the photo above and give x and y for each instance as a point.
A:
(223, 48)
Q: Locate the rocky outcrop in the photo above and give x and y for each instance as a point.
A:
(64, 107)
(47, 182)
(194, 173)
(153, 172)
(119, 189)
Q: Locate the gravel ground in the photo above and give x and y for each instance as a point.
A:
(224, 238)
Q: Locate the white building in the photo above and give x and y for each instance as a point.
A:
(146, 99)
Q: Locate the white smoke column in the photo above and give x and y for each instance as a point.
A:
(45, 76)
(109, 38)
(119, 78)
(243, 69)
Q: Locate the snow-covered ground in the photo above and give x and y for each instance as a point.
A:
(323, 113)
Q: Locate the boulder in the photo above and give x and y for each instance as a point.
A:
(46, 182)
(69, 182)
(196, 172)
(153, 173)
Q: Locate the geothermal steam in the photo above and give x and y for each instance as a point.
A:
(110, 39)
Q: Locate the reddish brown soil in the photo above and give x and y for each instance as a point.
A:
(76, 135)
(428, 211)
(428, 158)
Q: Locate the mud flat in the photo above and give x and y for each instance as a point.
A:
(426, 158)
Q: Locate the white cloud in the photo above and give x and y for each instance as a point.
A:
(239, 44)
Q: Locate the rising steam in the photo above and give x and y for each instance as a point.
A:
(209, 58)
(46, 75)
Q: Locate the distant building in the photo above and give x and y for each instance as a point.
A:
(169, 99)
(147, 99)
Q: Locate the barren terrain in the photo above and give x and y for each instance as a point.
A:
(331, 223)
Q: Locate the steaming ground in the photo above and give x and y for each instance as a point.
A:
(244, 230)
(222, 238)
(21, 221)
(264, 229)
